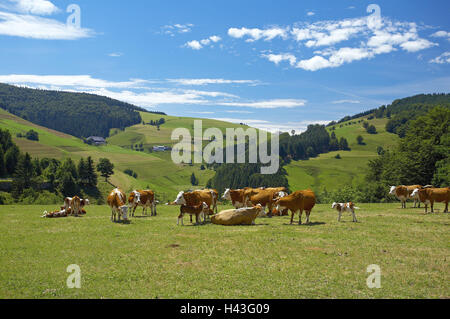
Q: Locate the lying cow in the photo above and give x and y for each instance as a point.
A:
(198, 211)
(234, 217)
(403, 193)
(298, 202)
(432, 195)
(117, 201)
(144, 198)
(345, 207)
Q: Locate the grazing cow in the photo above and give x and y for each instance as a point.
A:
(403, 193)
(345, 207)
(298, 202)
(202, 209)
(144, 198)
(235, 196)
(196, 198)
(432, 195)
(117, 202)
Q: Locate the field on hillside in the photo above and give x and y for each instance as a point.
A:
(327, 172)
(154, 170)
(149, 135)
(152, 257)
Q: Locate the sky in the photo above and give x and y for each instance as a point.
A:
(275, 65)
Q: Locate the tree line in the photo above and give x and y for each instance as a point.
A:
(78, 114)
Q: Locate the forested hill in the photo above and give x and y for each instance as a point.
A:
(78, 114)
(402, 111)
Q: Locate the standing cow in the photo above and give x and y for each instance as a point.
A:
(298, 202)
(432, 195)
(117, 202)
(144, 198)
(235, 196)
(403, 193)
(196, 198)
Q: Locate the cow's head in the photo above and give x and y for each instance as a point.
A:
(124, 211)
(227, 195)
(415, 193)
(87, 202)
(135, 198)
(334, 205)
(180, 199)
(392, 191)
(205, 208)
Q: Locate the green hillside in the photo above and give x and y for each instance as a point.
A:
(327, 172)
(149, 135)
(154, 170)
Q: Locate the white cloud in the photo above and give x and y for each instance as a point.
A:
(194, 45)
(441, 34)
(39, 7)
(365, 37)
(69, 80)
(197, 45)
(346, 102)
(278, 58)
(310, 13)
(442, 59)
(417, 45)
(269, 104)
(257, 34)
(34, 27)
(239, 112)
(200, 82)
(177, 28)
(274, 127)
(115, 54)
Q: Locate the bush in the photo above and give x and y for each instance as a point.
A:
(338, 156)
(32, 135)
(372, 129)
(131, 173)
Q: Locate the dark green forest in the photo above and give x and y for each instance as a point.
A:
(77, 114)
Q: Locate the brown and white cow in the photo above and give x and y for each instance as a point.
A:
(68, 203)
(403, 193)
(432, 195)
(298, 202)
(196, 198)
(144, 198)
(235, 196)
(198, 211)
(345, 207)
(264, 196)
(75, 204)
(117, 202)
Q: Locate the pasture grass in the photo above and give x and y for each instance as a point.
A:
(152, 257)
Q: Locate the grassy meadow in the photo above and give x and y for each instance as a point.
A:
(325, 171)
(152, 257)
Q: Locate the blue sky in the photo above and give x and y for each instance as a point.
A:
(274, 65)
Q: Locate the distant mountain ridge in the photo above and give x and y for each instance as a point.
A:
(77, 114)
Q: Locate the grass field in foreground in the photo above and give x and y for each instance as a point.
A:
(155, 258)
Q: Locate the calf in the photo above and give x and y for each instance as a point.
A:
(432, 195)
(345, 207)
(198, 210)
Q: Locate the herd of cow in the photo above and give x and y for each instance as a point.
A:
(203, 203)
